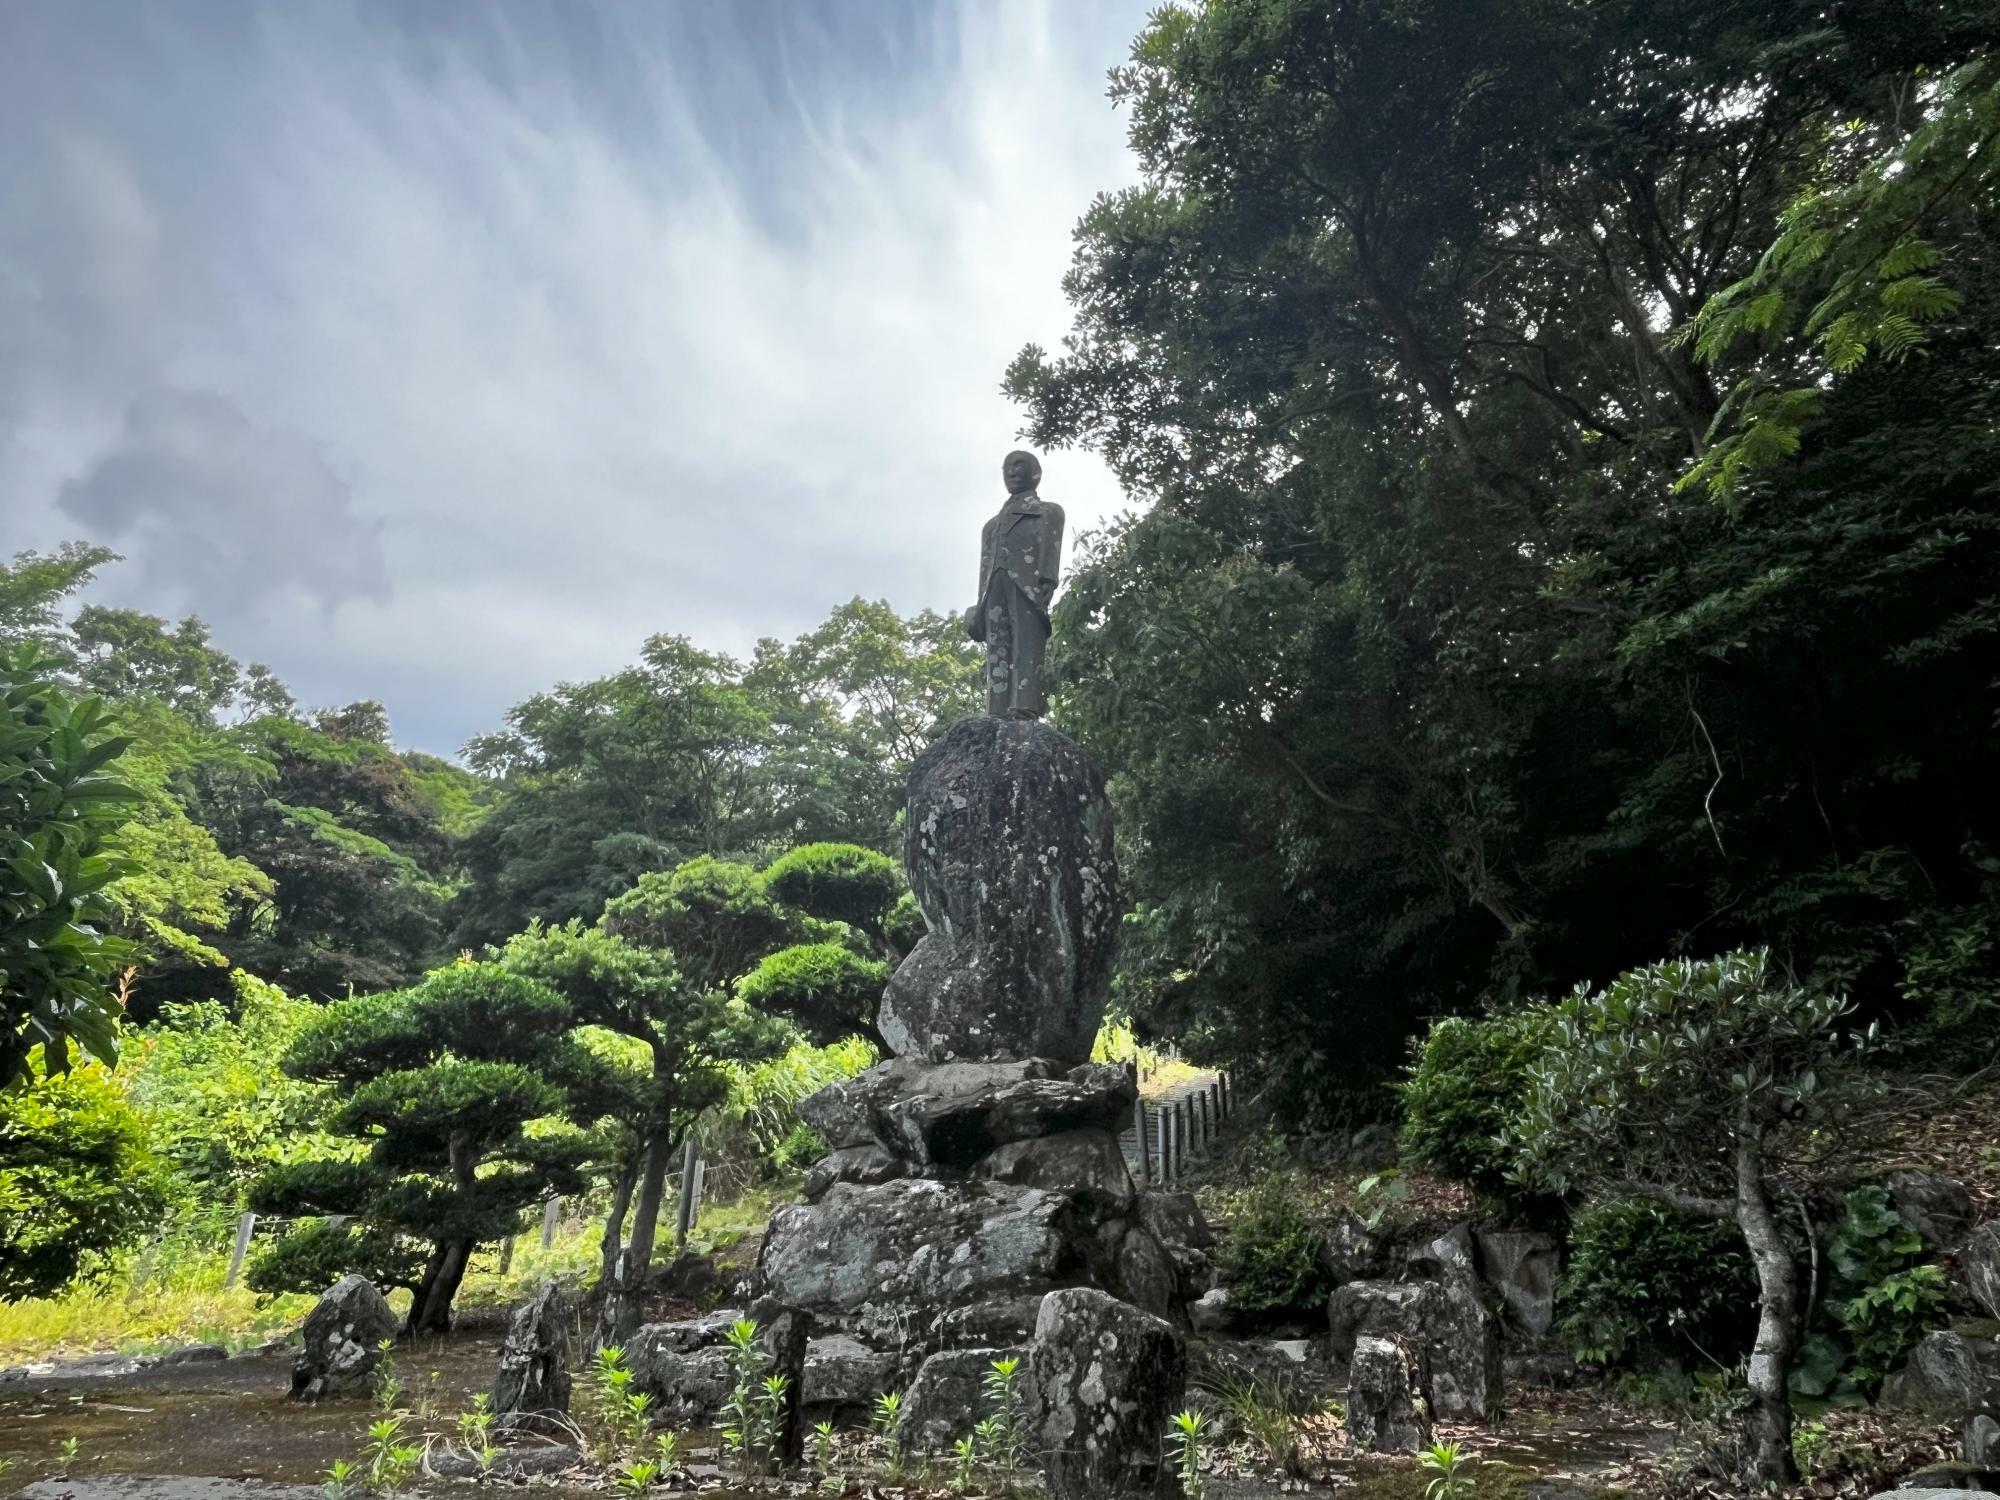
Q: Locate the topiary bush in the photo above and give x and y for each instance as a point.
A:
(1463, 1091)
(1643, 1281)
(825, 989)
(1271, 1255)
(838, 883)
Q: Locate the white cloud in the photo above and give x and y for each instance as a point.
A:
(702, 333)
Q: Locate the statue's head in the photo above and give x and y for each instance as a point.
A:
(1022, 471)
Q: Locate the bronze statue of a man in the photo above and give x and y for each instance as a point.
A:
(1020, 558)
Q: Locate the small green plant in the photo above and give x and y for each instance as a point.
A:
(637, 1476)
(1270, 1424)
(1187, 1443)
(888, 1420)
(339, 1482)
(822, 1447)
(623, 1414)
(67, 1453)
(430, 1400)
(964, 1454)
(388, 1385)
(1005, 1439)
(475, 1430)
(390, 1463)
(667, 1452)
(753, 1416)
(1811, 1444)
(1453, 1467)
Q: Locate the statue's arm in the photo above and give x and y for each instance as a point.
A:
(1049, 555)
(975, 620)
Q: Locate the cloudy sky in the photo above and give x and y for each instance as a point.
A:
(435, 353)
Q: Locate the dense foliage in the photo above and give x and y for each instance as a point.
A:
(1644, 1281)
(1424, 675)
(59, 806)
(78, 1179)
(1465, 1091)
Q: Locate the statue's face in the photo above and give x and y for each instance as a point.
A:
(1020, 471)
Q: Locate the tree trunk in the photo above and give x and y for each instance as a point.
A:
(646, 1214)
(430, 1309)
(1770, 1421)
(614, 1220)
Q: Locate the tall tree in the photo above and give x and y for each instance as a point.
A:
(1422, 678)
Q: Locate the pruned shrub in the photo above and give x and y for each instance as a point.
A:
(1645, 1282)
(1271, 1256)
(1463, 1091)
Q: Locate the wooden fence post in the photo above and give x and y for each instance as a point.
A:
(245, 1227)
(507, 1255)
(1145, 1146)
(684, 1219)
(551, 1211)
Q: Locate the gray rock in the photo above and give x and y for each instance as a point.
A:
(1979, 1264)
(1948, 1375)
(1351, 1250)
(849, 1113)
(195, 1354)
(867, 1165)
(1086, 1164)
(1144, 1275)
(1522, 1267)
(1931, 1494)
(1451, 1257)
(340, 1339)
(954, 1131)
(1214, 1311)
(1002, 1323)
(1982, 1440)
(1176, 1221)
(1009, 851)
(533, 1382)
(841, 1371)
(912, 1246)
(1105, 1378)
(1443, 1320)
(1938, 1207)
(948, 1397)
(1388, 1399)
(688, 1369)
(1285, 1369)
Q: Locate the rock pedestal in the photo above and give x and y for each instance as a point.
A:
(1009, 852)
(340, 1341)
(1388, 1396)
(974, 1188)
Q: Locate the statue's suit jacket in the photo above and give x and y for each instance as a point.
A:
(1024, 544)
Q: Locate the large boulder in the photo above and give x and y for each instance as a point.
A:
(955, 1131)
(533, 1385)
(1350, 1250)
(1949, 1374)
(341, 1341)
(849, 1111)
(1009, 852)
(688, 1368)
(1388, 1403)
(1086, 1164)
(875, 1259)
(1445, 1320)
(948, 1398)
(1521, 1266)
(1938, 1207)
(1979, 1264)
(1104, 1378)
(841, 1371)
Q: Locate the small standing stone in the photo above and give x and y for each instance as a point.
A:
(341, 1339)
(1388, 1397)
(1106, 1377)
(534, 1381)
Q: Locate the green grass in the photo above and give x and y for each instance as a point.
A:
(182, 1303)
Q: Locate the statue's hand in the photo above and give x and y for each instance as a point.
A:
(973, 624)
